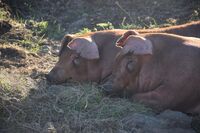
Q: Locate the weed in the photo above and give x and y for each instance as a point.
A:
(45, 29)
(83, 31)
(195, 15)
(124, 25)
(55, 31)
(105, 26)
(33, 47)
(42, 27)
(171, 21)
(39, 28)
(150, 22)
(99, 26)
(32, 44)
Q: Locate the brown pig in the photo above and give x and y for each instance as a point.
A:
(86, 58)
(188, 29)
(90, 57)
(160, 70)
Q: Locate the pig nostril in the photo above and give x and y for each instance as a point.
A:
(107, 88)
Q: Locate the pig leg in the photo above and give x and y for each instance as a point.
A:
(161, 98)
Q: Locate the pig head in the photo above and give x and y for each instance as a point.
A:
(159, 70)
(85, 58)
(76, 58)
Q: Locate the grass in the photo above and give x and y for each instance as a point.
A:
(99, 26)
(3, 14)
(71, 107)
(30, 34)
(30, 105)
(45, 28)
(30, 45)
(39, 28)
(83, 31)
(10, 85)
(195, 15)
(25, 40)
(5, 84)
(30, 39)
(105, 26)
(108, 25)
(20, 35)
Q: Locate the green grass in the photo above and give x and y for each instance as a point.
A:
(83, 31)
(99, 26)
(30, 45)
(105, 26)
(45, 28)
(39, 27)
(129, 26)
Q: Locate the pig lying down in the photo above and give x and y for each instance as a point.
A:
(188, 29)
(160, 70)
(90, 57)
(86, 58)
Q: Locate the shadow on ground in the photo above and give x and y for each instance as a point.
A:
(29, 104)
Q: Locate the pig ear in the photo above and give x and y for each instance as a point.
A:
(121, 40)
(138, 45)
(85, 47)
(67, 38)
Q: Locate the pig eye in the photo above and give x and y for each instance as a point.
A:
(76, 61)
(130, 66)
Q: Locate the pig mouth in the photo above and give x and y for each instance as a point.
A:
(108, 90)
(52, 81)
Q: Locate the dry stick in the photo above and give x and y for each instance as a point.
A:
(117, 3)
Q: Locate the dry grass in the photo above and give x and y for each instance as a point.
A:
(29, 104)
(63, 108)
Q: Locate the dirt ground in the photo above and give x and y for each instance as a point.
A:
(27, 52)
(72, 15)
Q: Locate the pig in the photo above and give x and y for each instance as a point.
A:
(85, 58)
(158, 69)
(90, 57)
(188, 29)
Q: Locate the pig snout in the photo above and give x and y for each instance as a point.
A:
(55, 76)
(112, 88)
(107, 88)
(50, 76)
